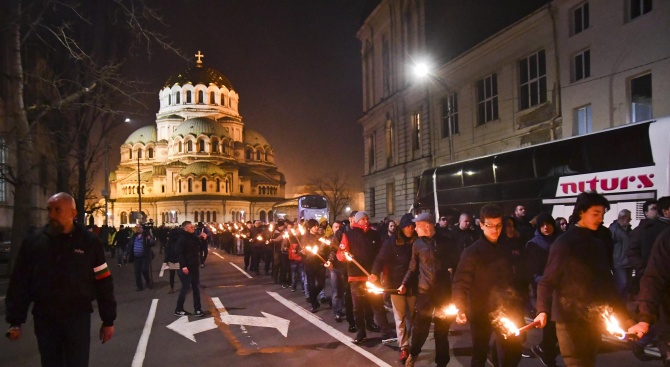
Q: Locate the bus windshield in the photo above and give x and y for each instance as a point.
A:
(313, 202)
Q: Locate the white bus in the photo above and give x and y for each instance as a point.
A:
(303, 207)
(628, 165)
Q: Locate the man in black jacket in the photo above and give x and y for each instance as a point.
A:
(484, 282)
(577, 283)
(61, 269)
(433, 260)
(188, 253)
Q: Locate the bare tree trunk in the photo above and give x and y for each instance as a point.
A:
(20, 130)
(82, 173)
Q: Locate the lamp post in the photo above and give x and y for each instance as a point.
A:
(139, 187)
(422, 70)
(105, 192)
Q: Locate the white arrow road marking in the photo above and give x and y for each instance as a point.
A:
(243, 272)
(217, 254)
(345, 339)
(189, 329)
(141, 351)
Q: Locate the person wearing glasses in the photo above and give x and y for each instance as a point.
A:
(442, 226)
(484, 280)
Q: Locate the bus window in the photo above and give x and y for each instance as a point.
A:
(313, 202)
(426, 183)
(478, 172)
(450, 177)
(560, 159)
(634, 151)
(514, 166)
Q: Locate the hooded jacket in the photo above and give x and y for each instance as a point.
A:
(363, 244)
(393, 259)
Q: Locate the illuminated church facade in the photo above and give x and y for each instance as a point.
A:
(198, 162)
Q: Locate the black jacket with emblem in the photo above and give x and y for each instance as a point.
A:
(57, 274)
(188, 250)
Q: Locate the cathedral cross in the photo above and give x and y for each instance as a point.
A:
(199, 56)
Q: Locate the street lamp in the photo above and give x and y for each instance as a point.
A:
(423, 71)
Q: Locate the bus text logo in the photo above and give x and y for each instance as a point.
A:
(609, 184)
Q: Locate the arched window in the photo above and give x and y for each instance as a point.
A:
(177, 97)
(188, 96)
(201, 97)
(142, 188)
(262, 215)
(179, 186)
(227, 186)
(204, 185)
(139, 153)
(218, 185)
(189, 146)
(271, 216)
(266, 156)
(214, 216)
(209, 216)
(181, 147)
(150, 153)
(223, 99)
(212, 98)
(124, 218)
(247, 156)
(201, 145)
(215, 146)
(258, 155)
(195, 216)
(202, 215)
(169, 99)
(190, 185)
(233, 216)
(130, 153)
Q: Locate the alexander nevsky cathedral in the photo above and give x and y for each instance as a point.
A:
(198, 162)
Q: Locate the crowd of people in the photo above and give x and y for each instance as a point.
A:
(567, 274)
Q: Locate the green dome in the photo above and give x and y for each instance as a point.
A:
(142, 135)
(199, 75)
(202, 169)
(253, 138)
(200, 126)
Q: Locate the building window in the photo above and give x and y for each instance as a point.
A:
(580, 18)
(209, 216)
(487, 99)
(640, 93)
(130, 153)
(371, 198)
(582, 63)
(201, 145)
(583, 123)
(139, 153)
(150, 153)
(215, 146)
(190, 185)
(214, 216)
(532, 81)
(390, 198)
(416, 131)
(241, 189)
(386, 67)
(180, 186)
(188, 96)
(195, 216)
(177, 97)
(169, 99)
(450, 115)
(371, 152)
(212, 98)
(3, 170)
(124, 218)
(218, 185)
(258, 155)
(227, 187)
(181, 148)
(417, 182)
(201, 97)
(204, 185)
(189, 146)
(390, 143)
(249, 154)
(638, 7)
(266, 156)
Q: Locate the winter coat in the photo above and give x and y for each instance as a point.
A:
(393, 259)
(621, 239)
(537, 253)
(431, 260)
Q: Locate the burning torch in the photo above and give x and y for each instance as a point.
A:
(350, 257)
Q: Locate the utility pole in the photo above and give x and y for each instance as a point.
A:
(106, 191)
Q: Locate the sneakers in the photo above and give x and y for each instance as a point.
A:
(404, 354)
(171, 291)
(352, 328)
(544, 358)
(198, 313)
(409, 362)
(360, 339)
(181, 313)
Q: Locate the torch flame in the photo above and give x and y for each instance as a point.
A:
(285, 235)
(324, 241)
(259, 238)
(271, 227)
(302, 230)
(612, 325)
(373, 288)
(450, 310)
(508, 326)
(348, 256)
(237, 235)
(312, 249)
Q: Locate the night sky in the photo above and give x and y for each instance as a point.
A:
(295, 64)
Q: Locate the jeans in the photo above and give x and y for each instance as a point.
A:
(622, 279)
(338, 284)
(403, 308)
(296, 272)
(362, 299)
(549, 340)
(284, 270)
(422, 317)
(578, 341)
(188, 281)
(316, 281)
(121, 250)
(64, 342)
(507, 351)
(141, 265)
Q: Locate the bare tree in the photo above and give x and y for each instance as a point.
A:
(61, 69)
(336, 190)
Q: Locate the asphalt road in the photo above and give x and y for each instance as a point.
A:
(250, 321)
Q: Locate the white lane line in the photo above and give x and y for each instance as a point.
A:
(160, 275)
(141, 351)
(338, 335)
(243, 272)
(222, 310)
(217, 254)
